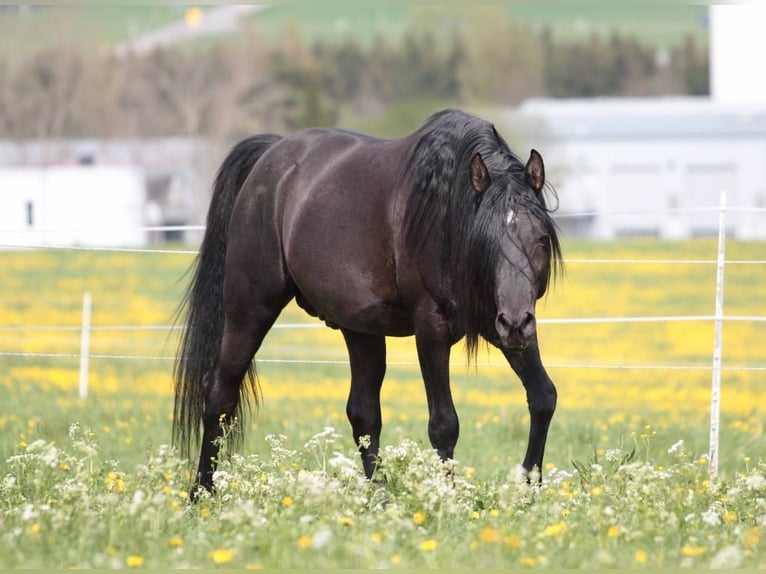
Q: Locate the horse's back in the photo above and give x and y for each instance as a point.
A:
(330, 197)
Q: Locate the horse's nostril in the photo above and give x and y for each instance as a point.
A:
(516, 331)
(528, 325)
(503, 325)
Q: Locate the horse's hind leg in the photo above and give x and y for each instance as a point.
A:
(541, 399)
(245, 327)
(367, 355)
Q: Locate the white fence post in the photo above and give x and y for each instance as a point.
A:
(715, 392)
(87, 301)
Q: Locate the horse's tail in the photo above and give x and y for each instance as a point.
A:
(202, 305)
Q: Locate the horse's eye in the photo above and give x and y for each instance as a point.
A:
(545, 243)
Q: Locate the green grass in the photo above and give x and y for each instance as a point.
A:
(105, 24)
(111, 495)
(654, 22)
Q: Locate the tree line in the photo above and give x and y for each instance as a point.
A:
(245, 84)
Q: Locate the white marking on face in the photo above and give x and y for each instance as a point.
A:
(509, 217)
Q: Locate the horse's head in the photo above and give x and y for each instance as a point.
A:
(524, 252)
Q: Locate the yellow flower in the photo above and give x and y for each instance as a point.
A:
(494, 513)
(204, 513)
(221, 556)
(304, 541)
(489, 535)
(613, 531)
(641, 556)
(134, 561)
(428, 545)
(396, 559)
(377, 537)
(752, 538)
(35, 528)
(419, 517)
(475, 515)
(692, 550)
(287, 501)
(175, 542)
(555, 529)
(345, 521)
(528, 561)
(596, 491)
(729, 517)
(513, 541)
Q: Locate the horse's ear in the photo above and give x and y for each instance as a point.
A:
(479, 174)
(535, 171)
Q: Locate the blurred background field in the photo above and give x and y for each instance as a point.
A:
(652, 375)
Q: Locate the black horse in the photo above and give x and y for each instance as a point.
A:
(442, 234)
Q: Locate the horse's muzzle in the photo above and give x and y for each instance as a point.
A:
(516, 332)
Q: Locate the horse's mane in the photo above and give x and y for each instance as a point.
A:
(443, 202)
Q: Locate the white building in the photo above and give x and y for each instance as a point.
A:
(650, 166)
(72, 205)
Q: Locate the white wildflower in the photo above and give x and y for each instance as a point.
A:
(755, 481)
(344, 465)
(727, 557)
(613, 454)
(29, 512)
(138, 499)
(221, 479)
(676, 448)
(321, 538)
(711, 516)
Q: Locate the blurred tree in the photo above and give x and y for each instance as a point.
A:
(696, 67)
(43, 93)
(501, 61)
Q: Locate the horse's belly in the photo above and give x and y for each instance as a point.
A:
(378, 318)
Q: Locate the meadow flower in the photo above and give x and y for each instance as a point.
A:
(221, 556)
(489, 535)
(555, 529)
(429, 545)
(419, 517)
(755, 481)
(304, 541)
(175, 542)
(692, 550)
(321, 538)
(676, 447)
(134, 561)
(641, 556)
(727, 557)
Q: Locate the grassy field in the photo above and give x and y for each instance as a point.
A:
(92, 483)
(103, 25)
(654, 22)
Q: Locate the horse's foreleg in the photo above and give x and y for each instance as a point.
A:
(443, 425)
(367, 356)
(541, 399)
